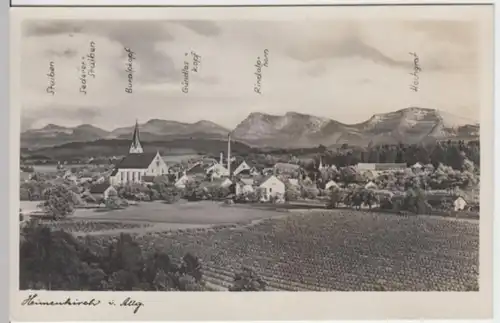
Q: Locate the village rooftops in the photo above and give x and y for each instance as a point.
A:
(286, 166)
(380, 166)
(134, 161)
(99, 188)
(196, 169)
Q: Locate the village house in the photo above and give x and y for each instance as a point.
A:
(217, 183)
(271, 186)
(417, 167)
(446, 200)
(331, 185)
(70, 177)
(217, 171)
(459, 204)
(102, 191)
(371, 186)
(137, 164)
(244, 186)
(182, 181)
(196, 169)
(244, 169)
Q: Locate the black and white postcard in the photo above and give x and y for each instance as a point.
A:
(293, 153)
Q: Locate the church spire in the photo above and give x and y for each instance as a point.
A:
(135, 147)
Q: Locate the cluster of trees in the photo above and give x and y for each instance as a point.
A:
(196, 191)
(354, 198)
(441, 177)
(55, 260)
(247, 280)
(450, 153)
(414, 200)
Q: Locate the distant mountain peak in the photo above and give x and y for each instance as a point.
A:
(291, 129)
(52, 126)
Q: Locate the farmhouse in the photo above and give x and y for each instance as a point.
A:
(371, 186)
(271, 186)
(182, 181)
(244, 186)
(331, 184)
(446, 200)
(247, 169)
(102, 191)
(217, 171)
(417, 167)
(459, 204)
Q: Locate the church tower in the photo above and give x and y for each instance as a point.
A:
(135, 147)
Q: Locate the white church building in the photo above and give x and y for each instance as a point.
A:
(137, 164)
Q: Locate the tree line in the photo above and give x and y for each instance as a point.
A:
(56, 260)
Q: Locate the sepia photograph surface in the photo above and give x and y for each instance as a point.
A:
(294, 152)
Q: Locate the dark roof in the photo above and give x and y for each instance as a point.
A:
(137, 160)
(245, 172)
(287, 166)
(99, 188)
(196, 169)
(114, 172)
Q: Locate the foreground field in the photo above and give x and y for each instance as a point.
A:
(202, 213)
(337, 250)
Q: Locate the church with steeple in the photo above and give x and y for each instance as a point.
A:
(138, 166)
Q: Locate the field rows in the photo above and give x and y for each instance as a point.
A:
(335, 251)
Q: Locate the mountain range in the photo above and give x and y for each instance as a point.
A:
(291, 130)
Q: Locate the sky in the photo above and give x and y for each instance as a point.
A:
(345, 70)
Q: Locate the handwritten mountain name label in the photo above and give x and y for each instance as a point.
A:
(129, 69)
(414, 86)
(190, 66)
(87, 68)
(259, 65)
(51, 75)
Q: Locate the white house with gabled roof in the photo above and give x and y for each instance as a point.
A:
(271, 186)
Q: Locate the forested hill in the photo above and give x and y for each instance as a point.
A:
(119, 147)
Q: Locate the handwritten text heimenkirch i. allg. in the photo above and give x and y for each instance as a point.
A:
(257, 88)
(130, 69)
(34, 300)
(414, 86)
(186, 70)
